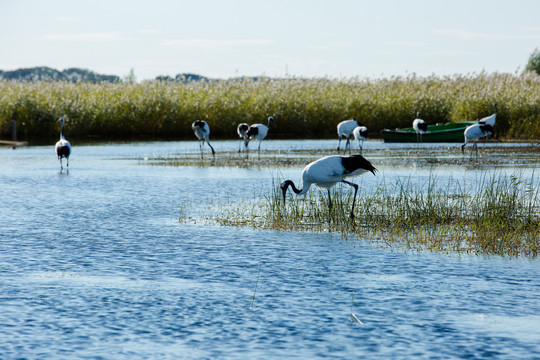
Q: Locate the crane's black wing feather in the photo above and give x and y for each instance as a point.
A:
(354, 162)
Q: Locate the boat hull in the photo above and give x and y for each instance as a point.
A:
(449, 132)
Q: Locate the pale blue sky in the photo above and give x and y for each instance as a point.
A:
(309, 38)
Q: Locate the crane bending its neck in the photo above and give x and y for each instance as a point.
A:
(285, 185)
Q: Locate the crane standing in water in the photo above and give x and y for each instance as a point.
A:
(259, 132)
(327, 172)
(62, 146)
(202, 132)
(420, 126)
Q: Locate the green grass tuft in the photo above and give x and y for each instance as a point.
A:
(497, 214)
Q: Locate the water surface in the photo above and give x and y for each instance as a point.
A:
(95, 264)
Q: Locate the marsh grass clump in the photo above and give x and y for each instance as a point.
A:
(303, 108)
(500, 215)
(496, 214)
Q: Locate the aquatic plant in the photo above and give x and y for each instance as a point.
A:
(496, 214)
(255, 289)
(303, 108)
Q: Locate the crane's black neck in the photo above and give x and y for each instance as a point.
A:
(284, 185)
(62, 130)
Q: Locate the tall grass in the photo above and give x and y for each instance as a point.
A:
(303, 108)
(497, 214)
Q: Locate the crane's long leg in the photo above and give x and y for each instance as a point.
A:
(355, 186)
(329, 199)
(211, 148)
(329, 205)
(339, 143)
(246, 142)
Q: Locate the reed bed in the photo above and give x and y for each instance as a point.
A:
(496, 214)
(303, 108)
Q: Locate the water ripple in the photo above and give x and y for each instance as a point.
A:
(94, 264)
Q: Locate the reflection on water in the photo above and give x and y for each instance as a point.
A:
(95, 264)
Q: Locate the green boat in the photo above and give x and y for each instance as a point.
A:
(449, 132)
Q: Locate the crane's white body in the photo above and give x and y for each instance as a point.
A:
(262, 131)
(257, 132)
(475, 132)
(327, 172)
(482, 129)
(419, 126)
(202, 132)
(62, 146)
(242, 130)
(360, 134)
(346, 128)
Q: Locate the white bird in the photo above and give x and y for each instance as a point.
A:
(202, 132)
(259, 132)
(360, 134)
(63, 147)
(328, 171)
(420, 126)
(490, 120)
(345, 128)
(242, 132)
(475, 132)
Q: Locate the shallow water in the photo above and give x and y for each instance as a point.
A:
(95, 264)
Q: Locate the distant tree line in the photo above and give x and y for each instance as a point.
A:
(76, 75)
(44, 73)
(182, 78)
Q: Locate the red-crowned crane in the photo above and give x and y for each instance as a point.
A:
(202, 132)
(259, 132)
(328, 171)
(420, 126)
(360, 134)
(242, 130)
(63, 147)
(482, 129)
(345, 128)
(475, 132)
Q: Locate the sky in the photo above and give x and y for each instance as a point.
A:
(277, 38)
